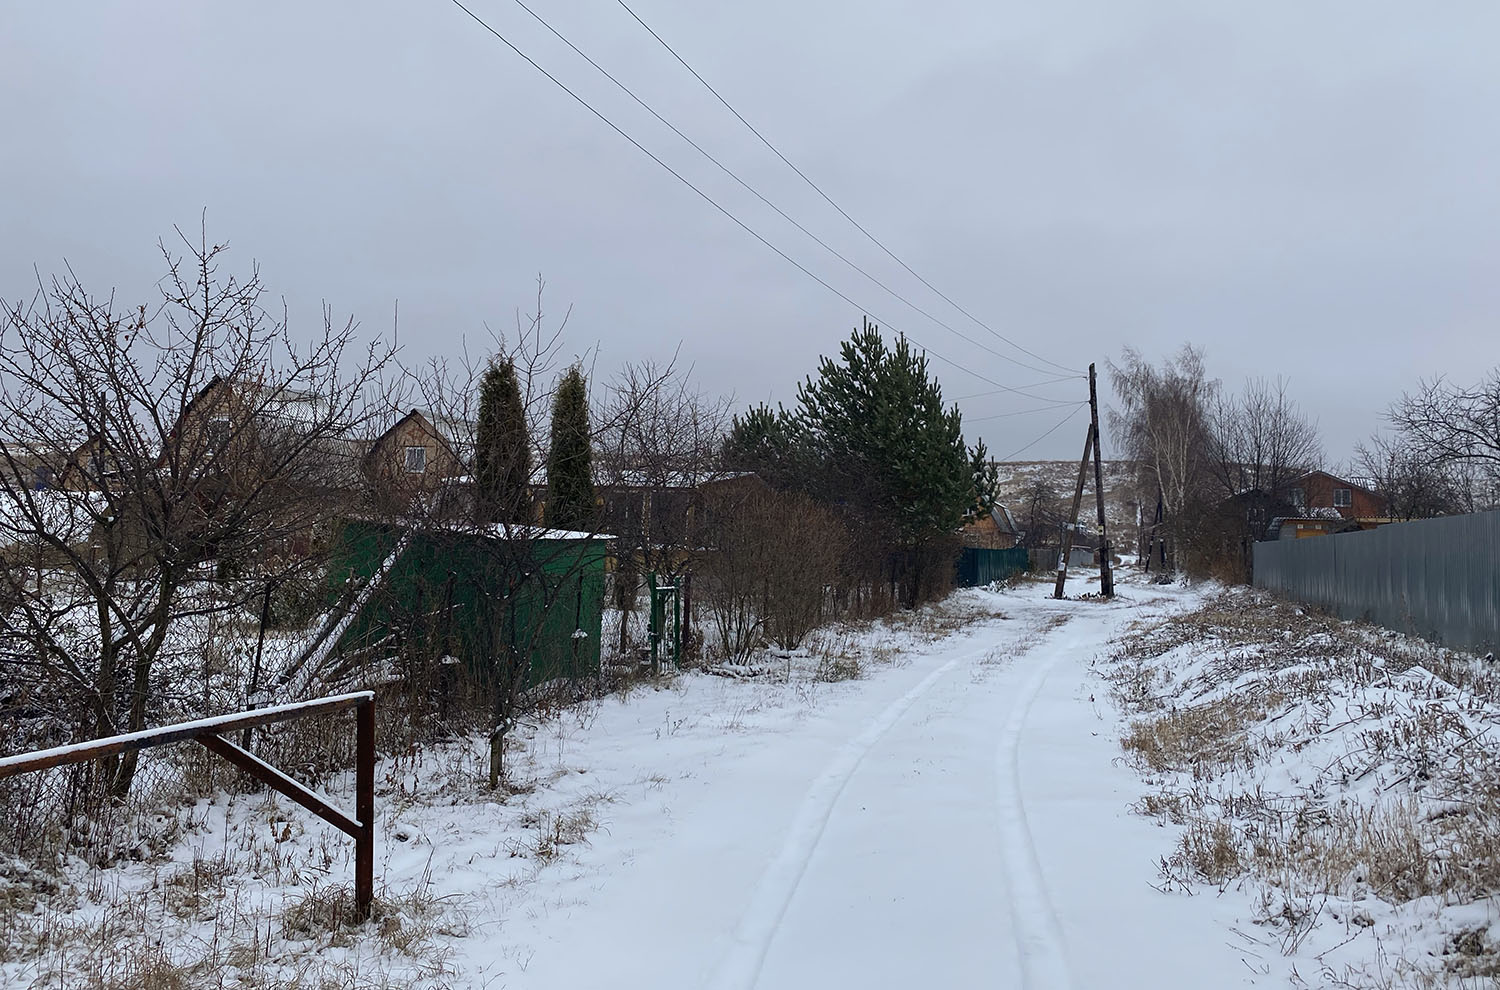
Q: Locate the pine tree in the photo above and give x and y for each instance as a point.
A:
(766, 441)
(887, 449)
(877, 423)
(502, 456)
(986, 482)
(570, 481)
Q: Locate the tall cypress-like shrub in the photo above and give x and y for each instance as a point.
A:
(570, 478)
(502, 456)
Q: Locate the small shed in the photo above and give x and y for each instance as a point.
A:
(995, 530)
(475, 595)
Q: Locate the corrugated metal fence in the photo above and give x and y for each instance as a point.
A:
(1436, 578)
(978, 567)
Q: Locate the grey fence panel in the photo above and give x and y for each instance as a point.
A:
(1436, 578)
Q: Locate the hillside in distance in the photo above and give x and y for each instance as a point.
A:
(1051, 484)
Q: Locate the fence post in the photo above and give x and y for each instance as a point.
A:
(364, 809)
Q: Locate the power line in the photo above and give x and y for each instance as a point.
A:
(1021, 412)
(1050, 381)
(1060, 424)
(829, 200)
(757, 194)
(712, 202)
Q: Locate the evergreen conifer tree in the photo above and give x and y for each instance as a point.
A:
(874, 424)
(878, 425)
(502, 457)
(986, 482)
(570, 481)
(768, 442)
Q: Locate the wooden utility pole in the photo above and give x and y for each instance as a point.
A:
(1106, 576)
(1067, 536)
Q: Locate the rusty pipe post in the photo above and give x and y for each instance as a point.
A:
(364, 783)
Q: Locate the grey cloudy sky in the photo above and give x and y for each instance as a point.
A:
(1306, 190)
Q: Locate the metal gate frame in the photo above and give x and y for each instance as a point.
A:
(209, 733)
(665, 629)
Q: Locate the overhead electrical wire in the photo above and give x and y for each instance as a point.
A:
(1022, 412)
(736, 220)
(1050, 381)
(1060, 424)
(829, 200)
(779, 211)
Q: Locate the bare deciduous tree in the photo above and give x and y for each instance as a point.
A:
(1259, 440)
(1162, 425)
(1444, 422)
(1259, 444)
(1042, 511)
(772, 563)
(660, 441)
(1218, 466)
(1456, 431)
(1412, 484)
(195, 439)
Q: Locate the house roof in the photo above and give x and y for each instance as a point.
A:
(1319, 514)
(1331, 477)
(509, 531)
(454, 433)
(606, 476)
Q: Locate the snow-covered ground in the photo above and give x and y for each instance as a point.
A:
(1338, 783)
(938, 802)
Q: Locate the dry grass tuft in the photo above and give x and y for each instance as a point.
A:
(1197, 739)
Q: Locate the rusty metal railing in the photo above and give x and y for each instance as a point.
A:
(210, 733)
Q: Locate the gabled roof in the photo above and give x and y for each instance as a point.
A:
(425, 419)
(1343, 482)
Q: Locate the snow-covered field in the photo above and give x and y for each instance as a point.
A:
(935, 802)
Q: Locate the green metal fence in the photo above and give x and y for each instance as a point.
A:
(978, 567)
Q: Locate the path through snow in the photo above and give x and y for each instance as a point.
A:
(957, 822)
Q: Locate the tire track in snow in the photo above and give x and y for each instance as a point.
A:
(1039, 939)
(741, 966)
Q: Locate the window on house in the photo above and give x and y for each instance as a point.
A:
(1342, 496)
(1298, 497)
(218, 432)
(416, 460)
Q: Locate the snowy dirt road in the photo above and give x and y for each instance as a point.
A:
(959, 821)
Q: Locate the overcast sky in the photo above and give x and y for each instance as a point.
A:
(1304, 190)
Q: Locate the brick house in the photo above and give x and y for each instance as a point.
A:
(1321, 503)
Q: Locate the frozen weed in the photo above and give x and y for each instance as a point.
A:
(833, 669)
(1198, 739)
(1320, 760)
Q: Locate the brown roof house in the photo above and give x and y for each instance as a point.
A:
(1321, 503)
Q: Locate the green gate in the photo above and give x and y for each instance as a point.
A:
(665, 622)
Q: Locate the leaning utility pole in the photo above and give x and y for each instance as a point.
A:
(1106, 576)
(1067, 536)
